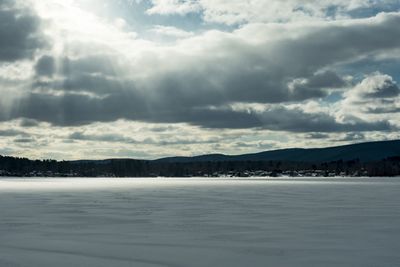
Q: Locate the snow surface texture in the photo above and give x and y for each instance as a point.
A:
(198, 222)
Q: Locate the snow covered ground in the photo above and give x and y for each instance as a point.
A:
(199, 222)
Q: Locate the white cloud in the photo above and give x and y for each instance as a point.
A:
(170, 31)
(375, 98)
(239, 11)
(180, 7)
(374, 86)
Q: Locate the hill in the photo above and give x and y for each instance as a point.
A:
(365, 152)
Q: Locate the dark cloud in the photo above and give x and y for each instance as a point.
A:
(338, 42)
(296, 120)
(161, 129)
(84, 83)
(28, 123)
(101, 138)
(98, 75)
(81, 109)
(103, 65)
(383, 110)
(20, 33)
(327, 79)
(11, 132)
(387, 90)
(317, 136)
(24, 140)
(45, 66)
(197, 89)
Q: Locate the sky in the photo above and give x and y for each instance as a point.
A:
(147, 79)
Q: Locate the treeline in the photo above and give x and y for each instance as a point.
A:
(11, 166)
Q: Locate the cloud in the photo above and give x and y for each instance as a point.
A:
(385, 110)
(24, 140)
(238, 11)
(11, 132)
(326, 79)
(119, 138)
(28, 123)
(196, 80)
(170, 31)
(80, 110)
(377, 94)
(180, 7)
(20, 32)
(255, 65)
(296, 120)
(45, 66)
(376, 98)
(75, 79)
(375, 86)
(317, 136)
(101, 138)
(352, 137)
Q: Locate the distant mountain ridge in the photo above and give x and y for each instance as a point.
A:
(370, 151)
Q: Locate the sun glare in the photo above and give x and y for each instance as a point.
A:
(68, 17)
(69, 21)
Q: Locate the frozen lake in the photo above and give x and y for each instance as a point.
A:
(200, 222)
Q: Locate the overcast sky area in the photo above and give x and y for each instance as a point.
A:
(153, 78)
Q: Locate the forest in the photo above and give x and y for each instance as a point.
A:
(23, 167)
